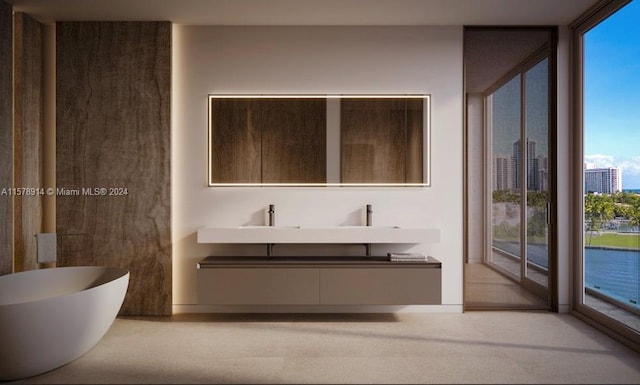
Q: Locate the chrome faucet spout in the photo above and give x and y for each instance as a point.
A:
(369, 222)
(272, 222)
(272, 215)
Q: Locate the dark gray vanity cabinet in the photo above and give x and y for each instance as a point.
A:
(378, 285)
(318, 281)
(257, 285)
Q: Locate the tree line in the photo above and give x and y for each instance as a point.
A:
(601, 208)
(598, 208)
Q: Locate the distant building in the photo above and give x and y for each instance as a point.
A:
(503, 172)
(603, 180)
(542, 167)
(537, 170)
(506, 169)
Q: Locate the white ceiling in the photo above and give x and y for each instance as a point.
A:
(312, 12)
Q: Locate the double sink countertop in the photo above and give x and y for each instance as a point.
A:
(317, 234)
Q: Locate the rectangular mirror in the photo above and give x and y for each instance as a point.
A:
(319, 140)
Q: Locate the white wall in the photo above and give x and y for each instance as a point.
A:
(218, 59)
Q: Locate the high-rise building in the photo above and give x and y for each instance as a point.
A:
(606, 180)
(542, 182)
(534, 165)
(503, 172)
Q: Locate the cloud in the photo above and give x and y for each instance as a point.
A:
(630, 165)
(600, 160)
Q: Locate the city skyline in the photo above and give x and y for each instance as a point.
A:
(506, 169)
(612, 79)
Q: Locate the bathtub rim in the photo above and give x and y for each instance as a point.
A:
(118, 273)
(41, 348)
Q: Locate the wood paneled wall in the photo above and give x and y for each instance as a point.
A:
(28, 133)
(113, 131)
(6, 138)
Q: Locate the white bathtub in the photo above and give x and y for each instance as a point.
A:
(50, 317)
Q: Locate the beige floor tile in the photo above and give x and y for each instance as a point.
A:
(474, 347)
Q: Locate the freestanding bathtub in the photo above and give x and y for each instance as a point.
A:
(50, 317)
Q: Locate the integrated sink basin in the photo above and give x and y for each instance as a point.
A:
(317, 234)
(316, 227)
(349, 227)
(261, 226)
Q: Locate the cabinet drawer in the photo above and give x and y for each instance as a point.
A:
(258, 286)
(380, 286)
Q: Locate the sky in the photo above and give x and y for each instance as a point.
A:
(506, 111)
(612, 94)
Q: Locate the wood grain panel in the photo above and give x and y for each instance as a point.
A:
(235, 143)
(113, 131)
(415, 117)
(6, 139)
(294, 139)
(373, 137)
(28, 126)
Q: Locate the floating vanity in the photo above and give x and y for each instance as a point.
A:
(317, 280)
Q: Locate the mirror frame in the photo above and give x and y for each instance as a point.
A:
(426, 140)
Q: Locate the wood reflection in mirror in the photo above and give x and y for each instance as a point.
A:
(294, 140)
(236, 155)
(268, 140)
(345, 140)
(381, 140)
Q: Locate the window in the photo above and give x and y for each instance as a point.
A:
(517, 111)
(608, 121)
(510, 129)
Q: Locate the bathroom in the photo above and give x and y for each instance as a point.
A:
(124, 106)
(163, 168)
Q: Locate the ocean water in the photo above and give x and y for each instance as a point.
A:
(614, 273)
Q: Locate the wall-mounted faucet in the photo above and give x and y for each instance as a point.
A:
(272, 222)
(369, 222)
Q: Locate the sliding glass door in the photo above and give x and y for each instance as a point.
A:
(608, 180)
(517, 117)
(536, 96)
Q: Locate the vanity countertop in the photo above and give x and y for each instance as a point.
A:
(317, 234)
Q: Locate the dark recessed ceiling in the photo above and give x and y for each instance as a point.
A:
(507, 48)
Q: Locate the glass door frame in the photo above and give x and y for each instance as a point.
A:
(601, 11)
(546, 51)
